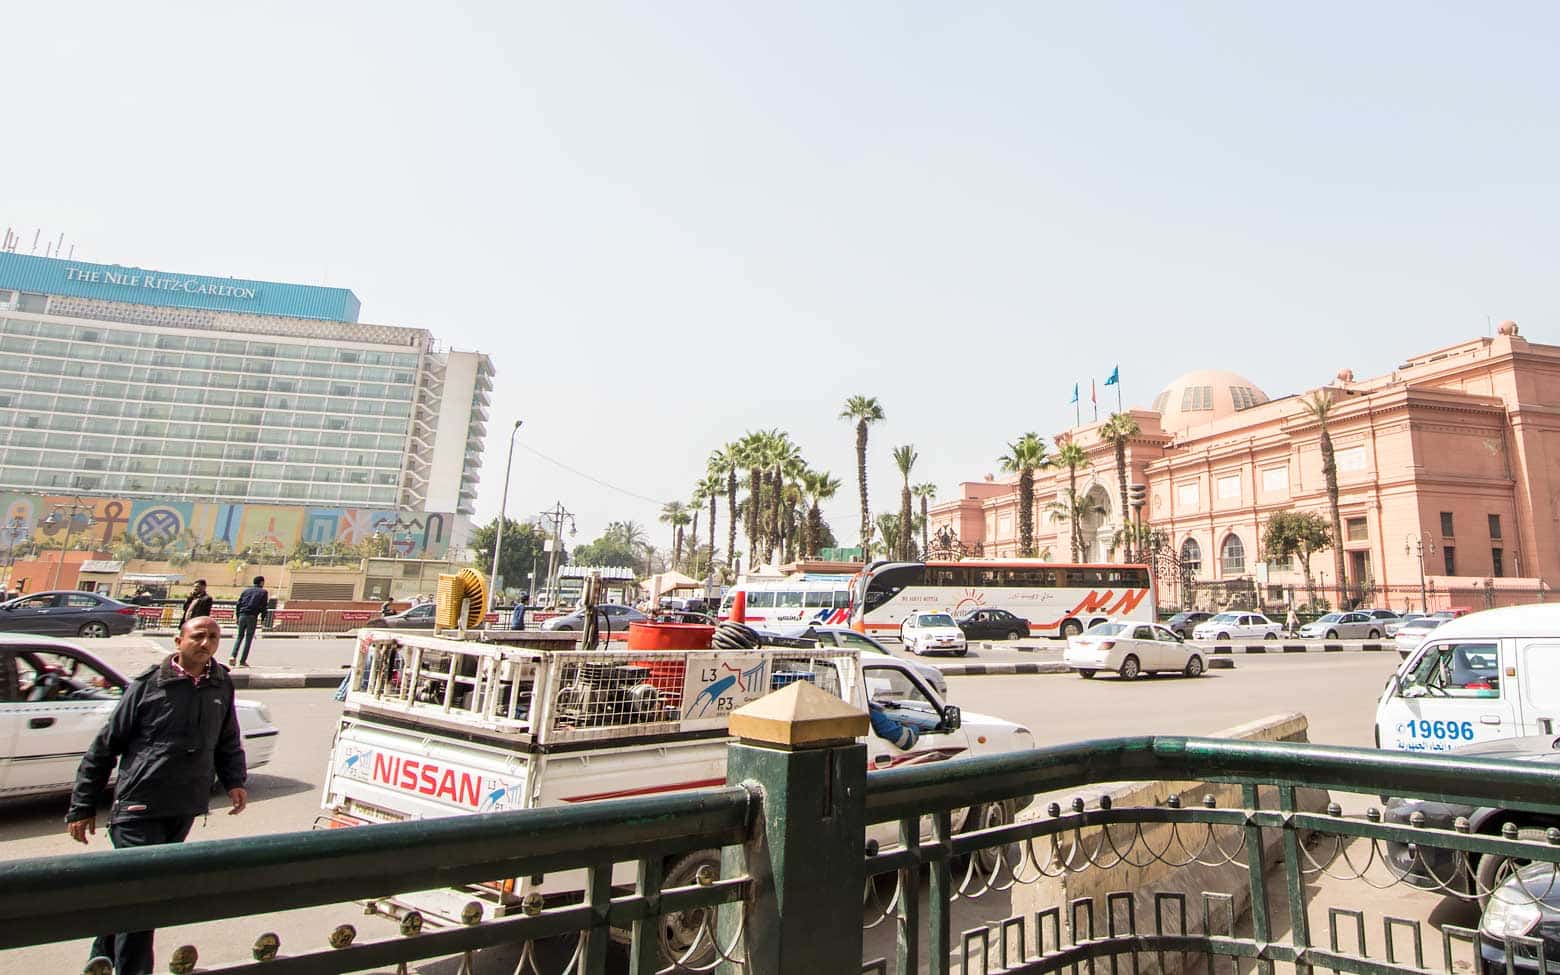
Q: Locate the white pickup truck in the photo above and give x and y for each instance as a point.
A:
(434, 726)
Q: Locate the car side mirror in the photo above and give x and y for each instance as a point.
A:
(952, 717)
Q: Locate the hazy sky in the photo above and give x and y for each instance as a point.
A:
(673, 222)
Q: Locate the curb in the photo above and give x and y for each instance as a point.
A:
(260, 682)
(972, 670)
(263, 635)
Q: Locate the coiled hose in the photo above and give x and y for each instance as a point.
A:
(736, 636)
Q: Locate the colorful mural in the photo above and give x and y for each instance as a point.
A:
(177, 525)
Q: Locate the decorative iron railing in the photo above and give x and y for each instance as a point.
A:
(805, 832)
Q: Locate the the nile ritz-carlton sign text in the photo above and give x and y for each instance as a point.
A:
(129, 279)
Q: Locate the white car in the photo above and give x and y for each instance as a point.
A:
(1238, 626)
(1343, 626)
(923, 633)
(54, 696)
(1391, 627)
(1411, 634)
(1131, 649)
(844, 636)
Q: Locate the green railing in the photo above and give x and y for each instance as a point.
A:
(805, 832)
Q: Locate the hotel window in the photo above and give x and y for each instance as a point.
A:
(1451, 559)
(1275, 480)
(1187, 496)
(1495, 529)
(1229, 488)
(1232, 555)
(1354, 530)
(1350, 459)
(1497, 562)
(26, 301)
(1446, 524)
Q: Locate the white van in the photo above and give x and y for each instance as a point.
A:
(1487, 675)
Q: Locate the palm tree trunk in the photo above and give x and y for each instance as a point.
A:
(1026, 513)
(755, 502)
(731, 521)
(1121, 477)
(925, 526)
(906, 516)
(814, 528)
(711, 574)
(1074, 533)
(693, 535)
(1330, 473)
(861, 479)
(1310, 588)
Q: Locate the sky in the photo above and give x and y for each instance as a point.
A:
(672, 223)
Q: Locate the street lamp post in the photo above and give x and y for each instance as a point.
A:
(1420, 544)
(503, 506)
(71, 511)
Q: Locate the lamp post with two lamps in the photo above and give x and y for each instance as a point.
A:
(1420, 544)
(71, 511)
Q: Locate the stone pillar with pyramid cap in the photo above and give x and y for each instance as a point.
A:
(798, 750)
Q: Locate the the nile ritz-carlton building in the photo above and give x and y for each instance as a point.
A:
(158, 396)
(1453, 457)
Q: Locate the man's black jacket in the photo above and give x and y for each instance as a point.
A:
(170, 739)
(252, 601)
(196, 606)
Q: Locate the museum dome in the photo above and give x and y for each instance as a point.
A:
(1205, 397)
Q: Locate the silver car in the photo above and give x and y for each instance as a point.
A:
(1343, 626)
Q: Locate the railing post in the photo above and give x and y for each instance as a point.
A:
(797, 751)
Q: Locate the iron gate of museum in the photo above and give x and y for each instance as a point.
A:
(801, 880)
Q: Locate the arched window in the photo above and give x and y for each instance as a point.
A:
(1191, 556)
(1232, 556)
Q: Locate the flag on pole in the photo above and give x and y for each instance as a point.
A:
(1094, 399)
(1075, 394)
(1115, 377)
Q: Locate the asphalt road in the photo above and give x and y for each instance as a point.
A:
(1336, 691)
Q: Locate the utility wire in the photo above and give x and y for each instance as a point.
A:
(588, 477)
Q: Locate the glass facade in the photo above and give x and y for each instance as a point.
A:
(171, 413)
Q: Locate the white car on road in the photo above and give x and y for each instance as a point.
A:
(1238, 626)
(1343, 626)
(932, 633)
(54, 696)
(1130, 648)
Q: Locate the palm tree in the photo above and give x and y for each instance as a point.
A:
(904, 459)
(711, 488)
(819, 486)
(888, 527)
(1117, 431)
(723, 464)
(749, 454)
(926, 492)
(1072, 457)
(863, 410)
(675, 514)
(785, 461)
(1319, 406)
(1077, 508)
(1024, 456)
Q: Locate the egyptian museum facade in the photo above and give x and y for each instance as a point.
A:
(1453, 457)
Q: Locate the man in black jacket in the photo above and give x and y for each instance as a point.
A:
(252, 603)
(196, 604)
(175, 728)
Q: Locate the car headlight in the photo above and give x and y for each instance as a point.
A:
(1512, 911)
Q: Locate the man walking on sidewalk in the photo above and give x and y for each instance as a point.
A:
(196, 604)
(252, 602)
(174, 730)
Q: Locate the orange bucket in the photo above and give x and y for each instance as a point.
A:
(670, 636)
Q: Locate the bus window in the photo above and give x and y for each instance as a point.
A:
(817, 599)
(842, 599)
(887, 583)
(760, 599)
(790, 599)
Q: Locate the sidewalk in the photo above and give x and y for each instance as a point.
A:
(272, 662)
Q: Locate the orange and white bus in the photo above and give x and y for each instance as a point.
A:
(1057, 599)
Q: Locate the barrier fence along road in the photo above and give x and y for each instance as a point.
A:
(787, 871)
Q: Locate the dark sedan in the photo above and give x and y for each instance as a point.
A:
(1182, 624)
(417, 618)
(1445, 870)
(67, 613)
(993, 624)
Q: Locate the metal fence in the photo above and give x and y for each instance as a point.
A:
(802, 860)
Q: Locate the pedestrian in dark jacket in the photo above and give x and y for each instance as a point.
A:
(196, 604)
(252, 602)
(174, 729)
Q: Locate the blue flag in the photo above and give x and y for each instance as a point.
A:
(1075, 394)
(1115, 377)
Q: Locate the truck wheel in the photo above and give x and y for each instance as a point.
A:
(987, 817)
(1130, 668)
(1494, 870)
(679, 930)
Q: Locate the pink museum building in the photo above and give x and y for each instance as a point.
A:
(1453, 457)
